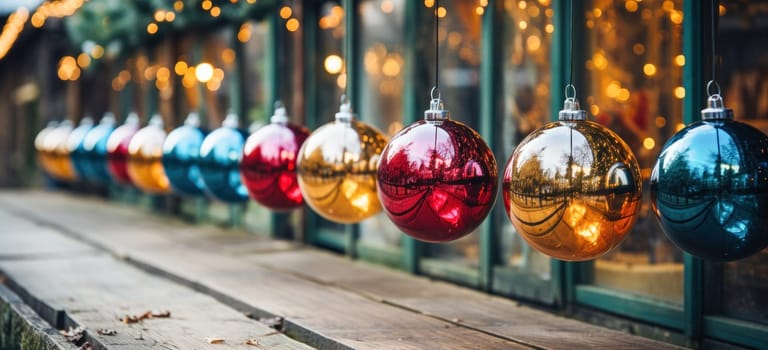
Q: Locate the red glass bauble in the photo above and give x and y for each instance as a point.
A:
(268, 167)
(117, 149)
(437, 178)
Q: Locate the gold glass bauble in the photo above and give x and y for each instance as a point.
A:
(56, 145)
(572, 187)
(145, 153)
(337, 167)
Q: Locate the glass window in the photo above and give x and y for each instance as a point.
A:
(743, 76)
(634, 76)
(459, 38)
(381, 39)
(527, 41)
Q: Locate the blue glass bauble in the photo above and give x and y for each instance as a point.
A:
(75, 146)
(181, 152)
(94, 147)
(710, 187)
(220, 159)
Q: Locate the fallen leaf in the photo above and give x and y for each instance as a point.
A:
(86, 346)
(129, 319)
(161, 314)
(214, 340)
(106, 331)
(251, 341)
(145, 315)
(274, 322)
(73, 334)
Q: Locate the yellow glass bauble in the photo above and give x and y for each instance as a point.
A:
(572, 187)
(145, 153)
(44, 156)
(337, 167)
(56, 145)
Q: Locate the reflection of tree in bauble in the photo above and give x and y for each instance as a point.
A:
(181, 153)
(145, 152)
(44, 155)
(572, 189)
(337, 169)
(117, 149)
(219, 162)
(268, 167)
(75, 143)
(95, 149)
(56, 146)
(710, 189)
(437, 180)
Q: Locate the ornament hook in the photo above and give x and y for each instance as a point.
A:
(570, 88)
(434, 91)
(714, 84)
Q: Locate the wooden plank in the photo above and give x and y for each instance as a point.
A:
(21, 327)
(24, 239)
(315, 313)
(96, 291)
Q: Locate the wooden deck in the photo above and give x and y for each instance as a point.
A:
(88, 262)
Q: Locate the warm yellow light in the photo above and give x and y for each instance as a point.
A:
(680, 60)
(630, 5)
(286, 12)
(649, 69)
(204, 72)
(549, 28)
(228, 56)
(668, 5)
(38, 20)
(522, 25)
(549, 12)
(597, 12)
(612, 90)
(333, 64)
(533, 43)
(680, 92)
(341, 81)
(206, 5)
(244, 34)
(170, 16)
(163, 73)
(292, 25)
(441, 12)
(159, 15)
(623, 95)
(479, 10)
(599, 60)
(178, 5)
(152, 28)
(83, 60)
(215, 11)
(391, 67)
(483, 3)
(387, 6)
(649, 143)
(213, 85)
(721, 10)
(660, 122)
(97, 52)
(594, 109)
(679, 126)
(180, 68)
(218, 74)
(638, 49)
(522, 4)
(676, 17)
(429, 3)
(534, 11)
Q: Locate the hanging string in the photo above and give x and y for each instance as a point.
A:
(713, 33)
(437, 46)
(570, 45)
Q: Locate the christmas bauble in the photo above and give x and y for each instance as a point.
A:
(145, 152)
(181, 153)
(572, 187)
(75, 146)
(710, 187)
(437, 178)
(56, 144)
(337, 169)
(219, 162)
(117, 149)
(44, 154)
(95, 150)
(268, 167)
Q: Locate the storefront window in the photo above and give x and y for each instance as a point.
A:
(527, 41)
(634, 75)
(459, 38)
(382, 24)
(743, 76)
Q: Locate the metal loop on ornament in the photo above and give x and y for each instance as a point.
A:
(432, 93)
(279, 104)
(716, 85)
(568, 88)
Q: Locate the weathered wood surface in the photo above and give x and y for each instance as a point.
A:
(342, 302)
(95, 290)
(21, 327)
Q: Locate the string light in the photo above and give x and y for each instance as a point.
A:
(11, 30)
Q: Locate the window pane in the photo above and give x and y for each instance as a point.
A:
(634, 83)
(459, 73)
(381, 39)
(527, 41)
(744, 78)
